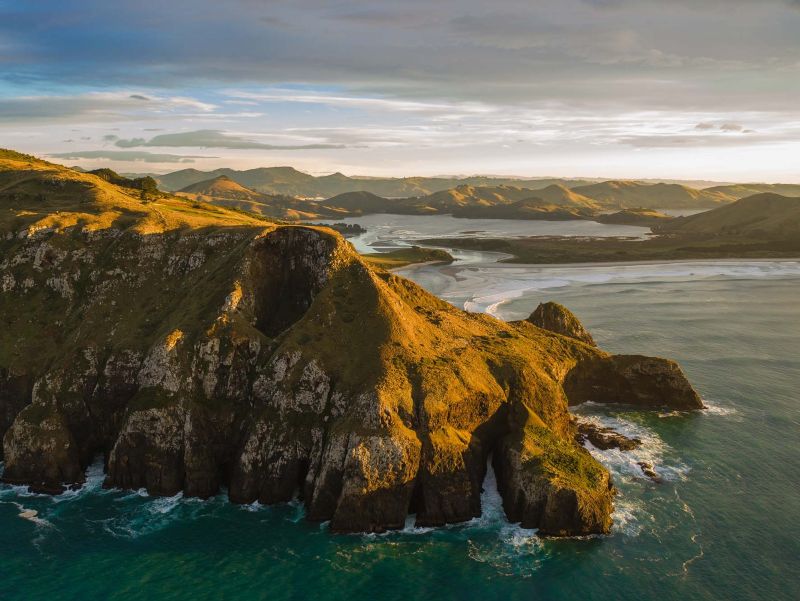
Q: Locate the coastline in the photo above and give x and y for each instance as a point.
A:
(540, 250)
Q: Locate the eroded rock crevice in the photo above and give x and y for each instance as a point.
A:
(290, 267)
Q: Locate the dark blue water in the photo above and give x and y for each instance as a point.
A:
(723, 524)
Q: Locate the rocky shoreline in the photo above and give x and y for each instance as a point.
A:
(273, 361)
(312, 372)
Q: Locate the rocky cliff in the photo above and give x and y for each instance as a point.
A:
(222, 351)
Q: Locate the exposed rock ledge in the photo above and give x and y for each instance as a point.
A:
(274, 360)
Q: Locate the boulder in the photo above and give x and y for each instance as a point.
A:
(605, 438)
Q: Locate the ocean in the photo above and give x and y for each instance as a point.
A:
(722, 524)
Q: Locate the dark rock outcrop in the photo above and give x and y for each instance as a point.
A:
(650, 471)
(538, 494)
(557, 318)
(605, 438)
(649, 382)
(15, 395)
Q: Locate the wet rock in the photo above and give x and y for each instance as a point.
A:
(605, 438)
(41, 452)
(649, 470)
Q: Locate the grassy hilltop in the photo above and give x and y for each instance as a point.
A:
(40, 195)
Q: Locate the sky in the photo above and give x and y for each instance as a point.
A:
(684, 89)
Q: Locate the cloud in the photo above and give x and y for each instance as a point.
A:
(362, 102)
(408, 87)
(506, 52)
(704, 141)
(95, 106)
(723, 127)
(127, 155)
(213, 138)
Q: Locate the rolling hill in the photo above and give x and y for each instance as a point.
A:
(630, 194)
(558, 194)
(528, 209)
(764, 226)
(737, 191)
(37, 195)
(641, 217)
(615, 194)
(468, 195)
(762, 216)
(222, 187)
(223, 191)
(360, 203)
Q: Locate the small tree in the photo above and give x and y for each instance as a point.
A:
(148, 184)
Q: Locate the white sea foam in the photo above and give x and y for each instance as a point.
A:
(93, 484)
(412, 528)
(144, 515)
(630, 513)
(511, 549)
(164, 505)
(716, 408)
(252, 507)
(625, 464)
(29, 514)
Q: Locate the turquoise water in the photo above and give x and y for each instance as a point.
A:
(722, 525)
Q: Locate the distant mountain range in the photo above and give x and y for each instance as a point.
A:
(503, 201)
(448, 194)
(290, 181)
(631, 194)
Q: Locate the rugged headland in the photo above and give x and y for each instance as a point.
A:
(196, 347)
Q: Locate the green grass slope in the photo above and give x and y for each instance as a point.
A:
(762, 216)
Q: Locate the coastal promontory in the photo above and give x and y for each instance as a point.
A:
(197, 348)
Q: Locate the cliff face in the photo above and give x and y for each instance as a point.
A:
(273, 361)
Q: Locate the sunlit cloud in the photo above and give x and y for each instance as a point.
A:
(127, 155)
(531, 88)
(212, 138)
